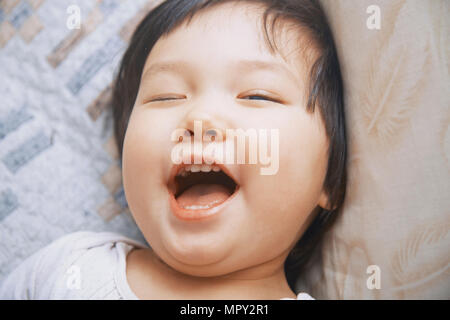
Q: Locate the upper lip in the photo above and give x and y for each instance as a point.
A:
(176, 168)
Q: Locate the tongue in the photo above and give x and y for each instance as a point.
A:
(204, 195)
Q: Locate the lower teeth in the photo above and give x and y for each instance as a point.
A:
(195, 207)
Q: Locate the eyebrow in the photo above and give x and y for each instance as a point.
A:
(161, 67)
(242, 65)
(252, 65)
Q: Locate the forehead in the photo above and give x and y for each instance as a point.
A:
(232, 31)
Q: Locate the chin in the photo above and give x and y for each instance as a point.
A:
(197, 251)
(200, 270)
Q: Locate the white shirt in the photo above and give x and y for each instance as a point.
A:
(80, 265)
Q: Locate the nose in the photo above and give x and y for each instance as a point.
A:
(201, 127)
(206, 120)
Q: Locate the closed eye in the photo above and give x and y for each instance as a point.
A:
(163, 99)
(167, 98)
(257, 97)
(261, 98)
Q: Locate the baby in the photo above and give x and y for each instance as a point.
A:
(195, 73)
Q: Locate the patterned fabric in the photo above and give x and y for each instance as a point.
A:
(59, 167)
(396, 214)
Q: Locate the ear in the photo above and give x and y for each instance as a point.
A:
(323, 201)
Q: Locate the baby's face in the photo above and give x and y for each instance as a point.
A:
(223, 64)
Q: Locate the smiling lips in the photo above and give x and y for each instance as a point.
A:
(200, 191)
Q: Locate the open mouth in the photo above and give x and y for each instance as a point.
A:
(202, 187)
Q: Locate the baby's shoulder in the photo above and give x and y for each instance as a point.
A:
(86, 248)
(94, 263)
(85, 241)
(81, 265)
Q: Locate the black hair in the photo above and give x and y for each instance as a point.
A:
(325, 90)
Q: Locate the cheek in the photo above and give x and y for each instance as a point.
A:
(144, 160)
(282, 202)
(147, 143)
(140, 150)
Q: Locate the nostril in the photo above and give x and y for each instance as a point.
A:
(187, 133)
(212, 133)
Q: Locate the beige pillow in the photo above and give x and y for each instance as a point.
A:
(396, 214)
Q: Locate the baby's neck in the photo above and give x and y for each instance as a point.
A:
(150, 278)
